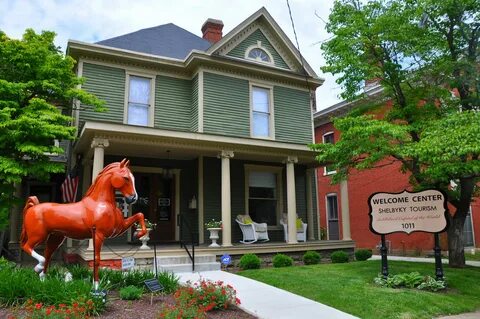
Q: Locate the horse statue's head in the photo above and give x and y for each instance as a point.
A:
(122, 179)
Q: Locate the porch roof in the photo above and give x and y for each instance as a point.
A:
(128, 140)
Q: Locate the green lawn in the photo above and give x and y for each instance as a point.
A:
(350, 288)
(475, 257)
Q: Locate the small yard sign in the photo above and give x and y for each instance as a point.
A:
(153, 285)
(128, 263)
(226, 259)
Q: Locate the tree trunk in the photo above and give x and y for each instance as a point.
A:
(456, 255)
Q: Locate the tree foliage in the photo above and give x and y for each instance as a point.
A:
(37, 88)
(419, 51)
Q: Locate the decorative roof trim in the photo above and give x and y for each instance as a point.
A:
(262, 12)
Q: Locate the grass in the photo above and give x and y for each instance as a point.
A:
(475, 257)
(350, 288)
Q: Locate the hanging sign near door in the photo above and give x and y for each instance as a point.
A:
(408, 212)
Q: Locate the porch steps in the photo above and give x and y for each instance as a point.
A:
(182, 263)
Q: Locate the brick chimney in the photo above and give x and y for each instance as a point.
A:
(212, 30)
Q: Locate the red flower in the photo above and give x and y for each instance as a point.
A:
(38, 306)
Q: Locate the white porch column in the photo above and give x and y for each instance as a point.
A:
(201, 220)
(308, 179)
(98, 145)
(15, 214)
(291, 200)
(226, 199)
(345, 211)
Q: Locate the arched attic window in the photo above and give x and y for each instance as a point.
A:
(258, 53)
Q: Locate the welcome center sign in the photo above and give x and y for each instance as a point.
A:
(408, 212)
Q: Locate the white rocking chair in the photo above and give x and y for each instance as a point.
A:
(252, 232)
(301, 231)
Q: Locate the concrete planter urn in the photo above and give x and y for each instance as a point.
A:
(214, 236)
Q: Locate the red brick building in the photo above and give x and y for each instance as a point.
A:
(343, 208)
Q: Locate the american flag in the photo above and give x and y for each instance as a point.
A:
(69, 189)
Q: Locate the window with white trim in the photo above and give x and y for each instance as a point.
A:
(139, 106)
(329, 138)
(261, 125)
(262, 197)
(259, 53)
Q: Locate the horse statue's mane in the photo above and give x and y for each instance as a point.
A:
(105, 171)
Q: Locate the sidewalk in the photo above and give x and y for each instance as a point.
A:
(268, 302)
(423, 260)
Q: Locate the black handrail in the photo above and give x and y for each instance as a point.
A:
(184, 223)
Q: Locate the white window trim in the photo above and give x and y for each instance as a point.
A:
(258, 45)
(325, 172)
(271, 123)
(151, 100)
(327, 217)
(272, 169)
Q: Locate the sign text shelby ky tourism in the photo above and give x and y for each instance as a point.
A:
(408, 212)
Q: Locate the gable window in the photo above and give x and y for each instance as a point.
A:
(329, 138)
(263, 193)
(261, 105)
(258, 53)
(140, 101)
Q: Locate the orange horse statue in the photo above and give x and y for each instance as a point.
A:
(96, 215)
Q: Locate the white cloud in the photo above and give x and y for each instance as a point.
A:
(91, 21)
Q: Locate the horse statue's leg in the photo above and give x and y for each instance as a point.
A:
(99, 238)
(53, 242)
(138, 217)
(29, 241)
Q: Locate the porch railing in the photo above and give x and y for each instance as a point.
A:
(186, 228)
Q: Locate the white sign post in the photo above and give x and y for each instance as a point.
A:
(409, 212)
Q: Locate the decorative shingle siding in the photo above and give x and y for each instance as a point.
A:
(252, 39)
(293, 122)
(173, 103)
(226, 105)
(194, 112)
(107, 84)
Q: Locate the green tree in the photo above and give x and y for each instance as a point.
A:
(420, 51)
(37, 88)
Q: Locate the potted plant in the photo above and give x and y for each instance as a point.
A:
(145, 238)
(214, 226)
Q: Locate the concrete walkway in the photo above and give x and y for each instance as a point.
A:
(423, 260)
(268, 302)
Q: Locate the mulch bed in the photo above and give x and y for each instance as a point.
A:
(142, 309)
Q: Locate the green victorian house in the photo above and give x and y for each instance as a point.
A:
(214, 127)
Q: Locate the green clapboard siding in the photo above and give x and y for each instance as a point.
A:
(194, 113)
(173, 103)
(293, 122)
(226, 107)
(107, 84)
(239, 50)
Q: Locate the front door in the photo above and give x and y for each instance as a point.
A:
(156, 202)
(468, 231)
(332, 215)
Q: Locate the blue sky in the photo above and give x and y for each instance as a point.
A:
(95, 20)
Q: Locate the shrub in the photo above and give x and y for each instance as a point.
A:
(281, 260)
(410, 280)
(207, 295)
(181, 312)
(339, 257)
(77, 310)
(363, 254)
(131, 293)
(249, 261)
(169, 281)
(80, 272)
(311, 258)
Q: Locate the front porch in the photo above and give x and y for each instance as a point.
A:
(111, 255)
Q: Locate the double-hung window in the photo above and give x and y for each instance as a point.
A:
(261, 121)
(329, 138)
(139, 108)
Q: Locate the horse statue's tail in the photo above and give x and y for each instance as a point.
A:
(31, 201)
